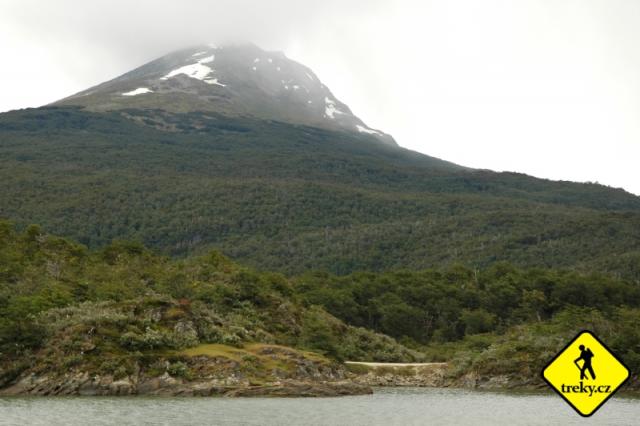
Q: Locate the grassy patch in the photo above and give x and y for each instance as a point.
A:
(258, 357)
(358, 368)
(216, 350)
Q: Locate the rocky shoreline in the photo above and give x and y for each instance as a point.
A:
(83, 385)
(315, 382)
(225, 378)
(206, 370)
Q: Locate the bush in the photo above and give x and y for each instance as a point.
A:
(151, 339)
(178, 369)
(20, 335)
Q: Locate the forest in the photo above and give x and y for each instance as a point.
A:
(498, 320)
(287, 198)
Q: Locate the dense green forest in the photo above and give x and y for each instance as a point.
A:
(62, 305)
(289, 198)
(445, 305)
(499, 320)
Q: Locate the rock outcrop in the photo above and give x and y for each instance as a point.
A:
(204, 370)
(81, 384)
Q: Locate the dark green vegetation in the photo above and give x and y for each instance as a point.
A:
(522, 351)
(541, 259)
(441, 306)
(293, 198)
(108, 311)
(62, 306)
(499, 321)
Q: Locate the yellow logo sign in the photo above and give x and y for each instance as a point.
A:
(585, 373)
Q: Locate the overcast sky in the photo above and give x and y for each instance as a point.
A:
(549, 88)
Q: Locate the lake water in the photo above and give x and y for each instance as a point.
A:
(388, 406)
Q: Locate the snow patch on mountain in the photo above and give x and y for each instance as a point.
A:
(367, 130)
(330, 108)
(199, 71)
(214, 81)
(138, 91)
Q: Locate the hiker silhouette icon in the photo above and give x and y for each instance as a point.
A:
(586, 356)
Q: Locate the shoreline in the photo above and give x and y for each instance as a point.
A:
(82, 386)
(319, 380)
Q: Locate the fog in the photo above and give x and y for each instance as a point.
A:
(545, 87)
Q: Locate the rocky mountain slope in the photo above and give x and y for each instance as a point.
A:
(236, 80)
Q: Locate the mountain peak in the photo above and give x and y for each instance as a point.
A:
(239, 79)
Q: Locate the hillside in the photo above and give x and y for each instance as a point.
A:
(292, 197)
(123, 320)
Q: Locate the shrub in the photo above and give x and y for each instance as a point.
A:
(178, 369)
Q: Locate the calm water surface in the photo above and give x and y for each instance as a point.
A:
(388, 406)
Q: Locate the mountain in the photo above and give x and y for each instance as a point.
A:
(227, 157)
(236, 80)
